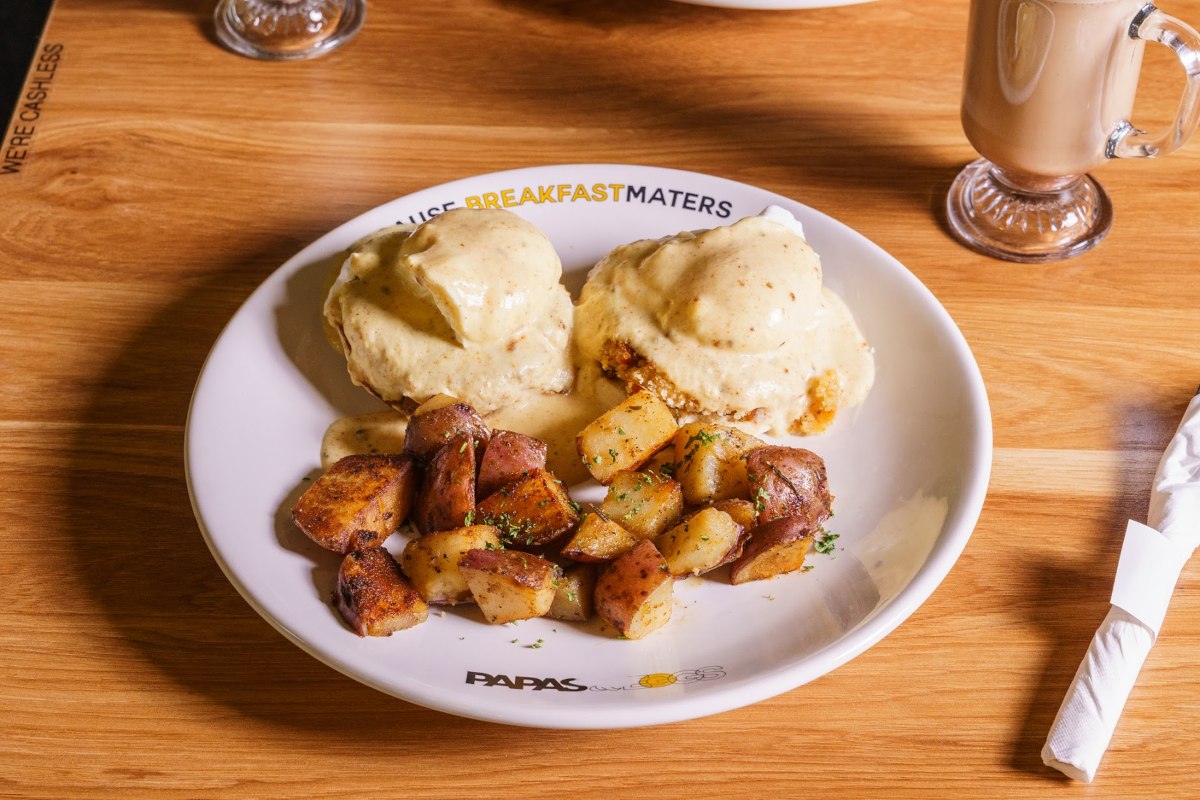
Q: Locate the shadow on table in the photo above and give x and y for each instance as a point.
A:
(675, 83)
(139, 554)
(1072, 599)
(843, 144)
(198, 12)
(1062, 590)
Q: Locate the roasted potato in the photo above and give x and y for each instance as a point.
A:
(644, 503)
(662, 463)
(532, 511)
(509, 585)
(598, 540)
(634, 593)
(788, 482)
(431, 562)
(358, 503)
(742, 511)
(374, 597)
(439, 420)
(506, 457)
(574, 594)
(447, 496)
(702, 543)
(774, 548)
(626, 436)
(711, 463)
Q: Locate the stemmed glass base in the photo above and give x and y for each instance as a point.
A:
(287, 30)
(1026, 218)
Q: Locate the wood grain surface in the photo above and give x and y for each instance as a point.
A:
(165, 178)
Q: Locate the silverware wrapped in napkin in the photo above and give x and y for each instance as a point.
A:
(1152, 558)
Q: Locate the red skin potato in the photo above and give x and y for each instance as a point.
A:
(532, 511)
(523, 568)
(358, 502)
(373, 595)
(627, 582)
(447, 494)
(782, 532)
(788, 482)
(429, 432)
(506, 457)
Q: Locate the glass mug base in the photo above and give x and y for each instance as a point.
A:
(1006, 217)
(287, 30)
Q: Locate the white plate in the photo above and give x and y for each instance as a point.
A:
(773, 5)
(909, 471)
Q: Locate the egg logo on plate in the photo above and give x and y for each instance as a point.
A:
(657, 680)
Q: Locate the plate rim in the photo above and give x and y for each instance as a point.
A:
(775, 681)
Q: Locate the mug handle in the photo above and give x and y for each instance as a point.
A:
(1152, 25)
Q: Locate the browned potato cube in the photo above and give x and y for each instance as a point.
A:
(374, 597)
(447, 496)
(431, 562)
(508, 456)
(598, 539)
(635, 592)
(711, 464)
(358, 503)
(573, 594)
(644, 503)
(662, 463)
(533, 511)
(788, 482)
(704, 542)
(626, 436)
(509, 585)
(775, 548)
(437, 421)
(742, 511)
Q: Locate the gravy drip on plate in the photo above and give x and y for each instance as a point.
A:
(553, 418)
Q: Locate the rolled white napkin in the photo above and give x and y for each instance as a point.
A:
(1151, 559)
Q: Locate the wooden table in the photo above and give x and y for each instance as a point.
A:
(163, 178)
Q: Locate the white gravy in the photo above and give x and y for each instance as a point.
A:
(736, 317)
(470, 304)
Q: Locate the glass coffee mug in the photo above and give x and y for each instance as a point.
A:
(1048, 91)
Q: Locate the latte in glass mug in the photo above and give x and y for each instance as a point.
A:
(1048, 90)
(1048, 81)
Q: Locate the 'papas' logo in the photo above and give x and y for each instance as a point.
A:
(525, 682)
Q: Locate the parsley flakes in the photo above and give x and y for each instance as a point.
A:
(825, 544)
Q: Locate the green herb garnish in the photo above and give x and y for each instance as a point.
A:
(702, 438)
(825, 544)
